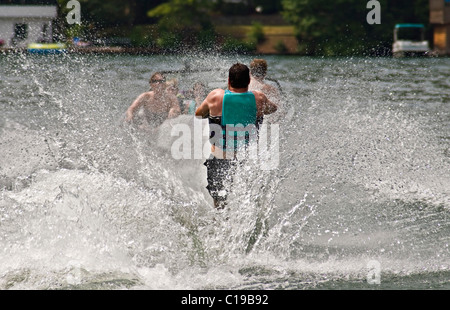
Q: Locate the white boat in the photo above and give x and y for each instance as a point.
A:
(409, 40)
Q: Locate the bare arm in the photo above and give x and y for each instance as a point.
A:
(135, 106)
(270, 107)
(265, 106)
(203, 110)
(174, 107)
(272, 92)
(209, 103)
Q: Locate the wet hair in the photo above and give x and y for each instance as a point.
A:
(198, 84)
(258, 68)
(239, 76)
(200, 87)
(172, 84)
(157, 77)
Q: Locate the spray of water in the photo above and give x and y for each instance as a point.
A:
(87, 202)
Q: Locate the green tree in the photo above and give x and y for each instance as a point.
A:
(268, 6)
(339, 27)
(256, 34)
(326, 27)
(109, 13)
(113, 12)
(101, 18)
(183, 22)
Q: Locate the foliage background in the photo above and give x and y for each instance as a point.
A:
(322, 27)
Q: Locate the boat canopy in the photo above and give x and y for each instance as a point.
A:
(409, 26)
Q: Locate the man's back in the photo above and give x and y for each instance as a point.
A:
(240, 106)
(215, 99)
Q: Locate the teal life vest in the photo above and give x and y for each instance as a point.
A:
(238, 123)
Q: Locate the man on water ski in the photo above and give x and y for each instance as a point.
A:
(234, 115)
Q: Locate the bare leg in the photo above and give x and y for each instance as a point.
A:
(219, 205)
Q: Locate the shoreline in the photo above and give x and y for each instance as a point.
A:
(91, 50)
(118, 50)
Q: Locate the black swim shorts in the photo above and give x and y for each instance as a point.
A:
(219, 176)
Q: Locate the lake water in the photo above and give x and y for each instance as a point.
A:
(359, 199)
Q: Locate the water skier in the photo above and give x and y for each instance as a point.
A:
(225, 109)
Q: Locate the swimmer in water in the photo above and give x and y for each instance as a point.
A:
(258, 72)
(158, 104)
(198, 94)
